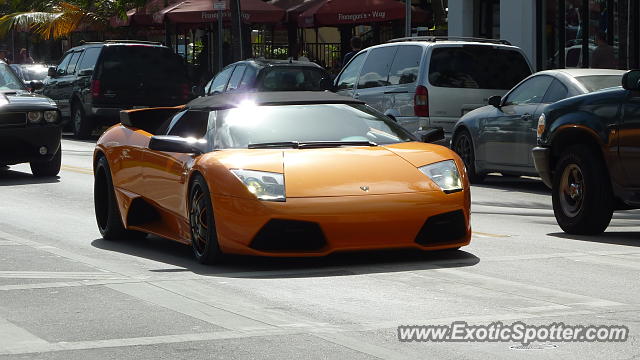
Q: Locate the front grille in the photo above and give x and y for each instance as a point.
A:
(289, 235)
(13, 119)
(443, 229)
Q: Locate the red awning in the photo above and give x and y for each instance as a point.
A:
(201, 11)
(142, 15)
(348, 12)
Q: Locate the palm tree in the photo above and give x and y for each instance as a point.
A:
(60, 18)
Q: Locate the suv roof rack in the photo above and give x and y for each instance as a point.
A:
(133, 42)
(445, 38)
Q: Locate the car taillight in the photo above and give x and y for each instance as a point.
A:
(95, 88)
(421, 101)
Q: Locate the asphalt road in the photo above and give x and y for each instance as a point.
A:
(67, 294)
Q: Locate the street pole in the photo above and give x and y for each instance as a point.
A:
(220, 40)
(407, 18)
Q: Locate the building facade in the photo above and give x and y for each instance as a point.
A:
(556, 33)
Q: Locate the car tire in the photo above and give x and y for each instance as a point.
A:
(581, 193)
(463, 146)
(106, 206)
(81, 124)
(204, 237)
(47, 168)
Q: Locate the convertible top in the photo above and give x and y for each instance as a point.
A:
(231, 100)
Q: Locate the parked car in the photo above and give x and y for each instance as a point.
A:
(424, 82)
(385, 189)
(29, 127)
(94, 81)
(499, 137)
(269, 75)
(589, 154)
(31, 74)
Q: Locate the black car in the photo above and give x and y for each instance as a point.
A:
(270, 75)
(94, 81)
(29, 127)
(589, 154)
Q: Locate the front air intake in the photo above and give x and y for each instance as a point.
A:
(289, 236)
(444, 228)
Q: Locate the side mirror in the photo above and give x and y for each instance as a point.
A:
(35, 85)
(631, 80)
(197, 91)
(178, 144)
(52, 72)
(431, 135)
(85, 72)
(495, 100)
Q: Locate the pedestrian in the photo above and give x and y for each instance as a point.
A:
(24, 57)
(356, 45)
(603, 56)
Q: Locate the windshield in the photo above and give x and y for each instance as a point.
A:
(35, 72)
(9, 80)
(599, 82)
(251, 125)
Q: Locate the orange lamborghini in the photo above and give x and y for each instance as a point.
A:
(278, 174)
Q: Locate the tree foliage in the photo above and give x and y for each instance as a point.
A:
(55, 18)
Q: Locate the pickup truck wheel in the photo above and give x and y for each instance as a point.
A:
(81, 124)
(47, 168)
(463, 146)
(581, 194)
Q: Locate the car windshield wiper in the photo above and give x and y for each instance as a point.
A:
(310, 144)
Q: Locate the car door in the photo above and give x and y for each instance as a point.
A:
(165, 173)
(51, 89)
(373, 80)
(503, 136)
(629, 139)
(66, 81)
(345, 83)
(403, 76)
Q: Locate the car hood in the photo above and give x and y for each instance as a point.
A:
(347, 171)
(23, 100)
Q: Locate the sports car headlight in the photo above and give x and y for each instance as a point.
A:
(34, 117)
(445, 174)
(51, 116)
(264, 185)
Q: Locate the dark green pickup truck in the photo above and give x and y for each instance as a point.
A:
(589, 154)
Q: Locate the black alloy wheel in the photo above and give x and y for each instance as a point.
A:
(463, 146)
(581, 194)
(81, 124)
(204, 238)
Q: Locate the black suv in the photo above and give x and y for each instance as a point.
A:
(94, 81)
(270, 75)
(589, 154)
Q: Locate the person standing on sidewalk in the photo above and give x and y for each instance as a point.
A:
(356, 45)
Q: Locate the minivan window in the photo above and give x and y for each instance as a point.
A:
(220, 81)
(89, 59)
(406, 65)
(375, 71)
(348, 77)
(248, 78)
(477, 67)
(289, 78)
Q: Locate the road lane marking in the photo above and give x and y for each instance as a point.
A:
(57, 275)
(76, 169)
(190, 307)
(15, 336)
(489, 235)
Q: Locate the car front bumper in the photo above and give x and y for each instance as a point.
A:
(322, 225)
(22, 144)
(541, 159)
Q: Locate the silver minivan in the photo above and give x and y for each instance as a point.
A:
(426, 82)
